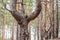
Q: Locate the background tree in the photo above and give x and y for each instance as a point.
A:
(57, 21)
(43, 30)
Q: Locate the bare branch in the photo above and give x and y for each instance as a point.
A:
(36, 12)
(5, 6)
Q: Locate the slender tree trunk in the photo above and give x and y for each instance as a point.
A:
(50, 26)
(12, 30)
(12, 27)
(17, 32)
(57, 22)
(18, 27)
(3, 27)
(43, 30)
(52, 18)
(29, 30)
(35, 32)
(37, 28)
(40, 24)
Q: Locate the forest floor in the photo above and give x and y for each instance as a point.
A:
(54, 39)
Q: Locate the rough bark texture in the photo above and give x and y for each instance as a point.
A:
(50, 28)
(40, 24)
(23, 19)
(3, 27)
(57, 24)
(37, 25)
(52, 18)
(24, 34)
(43, 30)
(17, 33)
(12, 27)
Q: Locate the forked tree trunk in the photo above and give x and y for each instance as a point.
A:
(23, 19)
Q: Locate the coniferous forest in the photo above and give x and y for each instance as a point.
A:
(29, 19)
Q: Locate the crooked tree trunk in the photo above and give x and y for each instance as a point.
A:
(3, 27)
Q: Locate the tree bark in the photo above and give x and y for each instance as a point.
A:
(52, 18)
(3, 27)
(43, 30)
(23, 19)
(37, 25)
(12, 25)
(57, 22)
(24, 34)
(40, 24)
(17, 32)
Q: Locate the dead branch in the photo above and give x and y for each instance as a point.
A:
(5, 6)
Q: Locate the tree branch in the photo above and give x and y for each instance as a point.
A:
(5, 6)
(34, 14)
(17, 15)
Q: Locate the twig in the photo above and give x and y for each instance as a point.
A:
(5, 6)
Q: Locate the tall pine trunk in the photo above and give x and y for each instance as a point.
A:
(57, 22)
(37, 25)
(12, 27)
(43, 30)
(3, 27)
(52, 18)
